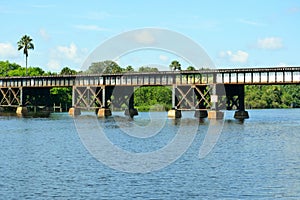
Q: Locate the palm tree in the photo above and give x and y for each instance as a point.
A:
(175, 65)
(25, 43)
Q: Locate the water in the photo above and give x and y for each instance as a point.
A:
(44, 158)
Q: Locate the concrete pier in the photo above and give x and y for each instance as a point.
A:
(22, 110)
(241, 114)
(214, 114)
(74, 111)
(104, 112)
(174, 113)
(131, 112)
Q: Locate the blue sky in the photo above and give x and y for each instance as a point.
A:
(233, 33)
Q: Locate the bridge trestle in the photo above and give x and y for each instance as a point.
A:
(102, 99)
(90, 98)
(122, 97)
(87, 97)
(235, 100)
(198, 90)
(190, 97)
(24, 98)
(10, 97)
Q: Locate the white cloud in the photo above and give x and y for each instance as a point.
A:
(144, 37)
(90, 27)
(54, 65)
(68, 52)
(237, 57)
(163, 58)
(271, 43)
(70, 56)
(43, 33)
(7, 50)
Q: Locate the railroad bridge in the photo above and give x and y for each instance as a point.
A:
(207, 92)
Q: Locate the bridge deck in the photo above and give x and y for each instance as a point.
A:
(248, 76)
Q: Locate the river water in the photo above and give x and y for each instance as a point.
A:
(45, 158)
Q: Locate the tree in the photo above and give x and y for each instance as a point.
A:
(104, 67)
(148, 69)
(272, 96)
(147, 97)
(129, 68)
(32, 71)
(25, 43)
(191, 68)
(6, 67)
(61, 95)
(175, 65)
(67, 71)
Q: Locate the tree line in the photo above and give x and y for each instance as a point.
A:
(272, 96)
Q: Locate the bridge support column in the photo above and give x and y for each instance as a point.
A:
(215, 113)
(104, 112)
(201, 93)
(174, 112)
(131, 111)
(241, 113)
(22, 110)
(106, 98)
(74, 111)
(91, 98)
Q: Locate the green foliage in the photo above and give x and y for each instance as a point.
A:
(6, 67)
(175, 65)
(61, 95)
(191, 68)
(50, 73)
(129, 69)
(272, 96)
(148, 69)
(150, 97)
(67, 71)
(13, 69)
(104, 67)
(31, 71)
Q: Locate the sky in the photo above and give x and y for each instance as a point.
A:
(233, 33)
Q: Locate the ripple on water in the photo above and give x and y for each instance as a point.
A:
(256, 159)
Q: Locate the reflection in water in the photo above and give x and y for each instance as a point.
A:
(40, 114)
